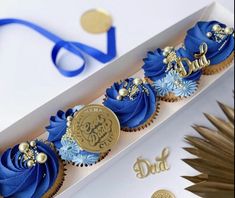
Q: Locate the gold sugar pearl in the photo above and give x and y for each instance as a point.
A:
(123, 92)
(216, 28)
(23, 147)
(165, 61)
(41, 158)
(119, 97)
(168, 49)
(69, 118)
(228, 30)
(30, 163)
(209, 34)
(138, 81)
(32, 143)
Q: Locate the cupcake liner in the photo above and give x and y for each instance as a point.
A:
(215, 69)
(171, 97)
(102, 156)
(59, 181)
(146, 124)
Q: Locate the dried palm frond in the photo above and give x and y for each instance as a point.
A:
(215, 157)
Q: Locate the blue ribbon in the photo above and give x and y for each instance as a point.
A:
(73, 47)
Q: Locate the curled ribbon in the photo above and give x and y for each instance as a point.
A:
(73, 47)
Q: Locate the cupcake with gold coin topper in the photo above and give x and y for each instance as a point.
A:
(220, 40)
(84, 135)
(135, 103)
(32, 170)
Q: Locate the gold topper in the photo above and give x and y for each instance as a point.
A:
(144, 168)
(95, 128)
(180, 64)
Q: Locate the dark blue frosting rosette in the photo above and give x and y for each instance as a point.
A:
(133, 101)
(32, 173)
(68, 148)
(216, 35)
(156, 69)
(58, 126)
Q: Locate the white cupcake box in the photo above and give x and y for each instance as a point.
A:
(91, 90)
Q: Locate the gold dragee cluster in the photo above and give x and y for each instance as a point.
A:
(133, 90)
(31, 155)
(220, 33)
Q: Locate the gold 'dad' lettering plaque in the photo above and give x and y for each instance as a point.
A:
(95, 128)
(96, 21)
(144, 168)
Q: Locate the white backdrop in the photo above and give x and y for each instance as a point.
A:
(21, 91)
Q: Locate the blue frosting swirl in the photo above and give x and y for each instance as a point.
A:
(132, 112)
(217, 51)
(58, 125)
(155, 69)
(19, 181)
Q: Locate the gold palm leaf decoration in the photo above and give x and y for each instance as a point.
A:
(214, 151)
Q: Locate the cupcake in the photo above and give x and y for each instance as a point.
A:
(135, 103)
(220, 41)
(78, 133)
(32, 170)
(171, 74)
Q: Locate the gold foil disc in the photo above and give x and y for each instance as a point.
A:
(96, 21)
(163, 194)
(95, 128)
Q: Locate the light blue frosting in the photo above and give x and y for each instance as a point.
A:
(162, 87)
(173, 83)
(70, 151)
(186, 89)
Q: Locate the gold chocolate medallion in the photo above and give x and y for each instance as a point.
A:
(95, 128)
(163, 194)
(96, 21)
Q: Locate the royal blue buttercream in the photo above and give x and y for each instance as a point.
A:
(19, 181)
(155, 69)
(217, 51)
(58, 125)
(132, 112)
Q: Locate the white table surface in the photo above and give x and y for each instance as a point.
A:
(28, 79)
